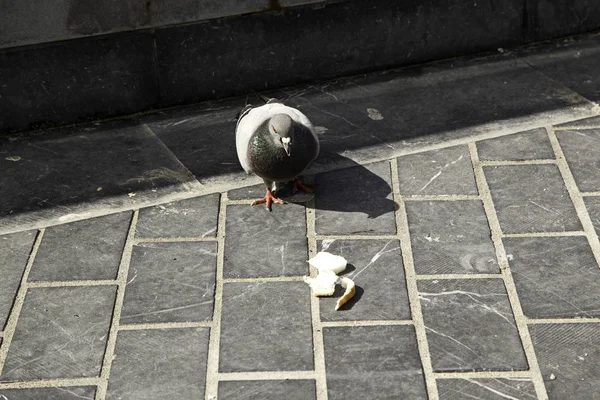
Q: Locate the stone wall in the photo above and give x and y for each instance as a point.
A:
(24, 22)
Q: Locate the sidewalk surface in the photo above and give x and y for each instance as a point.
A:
(464, 194)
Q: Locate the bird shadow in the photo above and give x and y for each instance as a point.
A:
(350, 187)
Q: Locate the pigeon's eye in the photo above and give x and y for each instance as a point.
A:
(274, 130)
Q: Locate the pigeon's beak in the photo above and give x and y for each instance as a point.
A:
(286, 145)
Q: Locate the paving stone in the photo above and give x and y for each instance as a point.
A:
(569, 359)
(87, 249)
(450, 237)
(170, 282)
(438, 172)
(489, 389)
(355, 201)
(539, 267)
(377, 269)
(582, 151)
(268, 390)
(159, 363)
(266, 327)
(53, 393)
(529, 145)
(193, 133)
(575, 65)
(531, 198)
(593, 206)
(260, 243)
(196, 217)
(373, 362)
(77, 169)
(61, 333)
(249, 192)
(584, 123)
(14, 253)
(470, 326)
(425, 105)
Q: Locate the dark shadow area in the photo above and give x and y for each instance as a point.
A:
(358, 119)
(119, 161)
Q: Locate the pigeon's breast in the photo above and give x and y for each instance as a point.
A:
(271, 162)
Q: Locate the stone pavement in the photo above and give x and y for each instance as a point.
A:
(139, 271)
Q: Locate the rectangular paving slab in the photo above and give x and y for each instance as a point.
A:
(195, 217)
(489, 389)
(170, 282)
(450, 237)
(61, 333)
(88, 249)
(569, 359)
(373, 362)
(260, 243)
(14, 253)
(582, 151)
(266, 327)
(529, 145)
(355, 201)
(377, 270)
(531, 198)
(159, 363)
(556, 277)
(53, 393)
(593, 206)
(454, 309)
(439, 172)
(268, 390)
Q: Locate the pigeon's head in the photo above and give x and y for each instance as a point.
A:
(282, 127)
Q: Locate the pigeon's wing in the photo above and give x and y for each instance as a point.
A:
(250, 120)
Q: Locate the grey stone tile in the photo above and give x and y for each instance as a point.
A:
(582, 123)
(170, 282)
(61, 333)
(266, 327)
(268, 390)
(529, 145)
(373, 362)
(540, 266)
(489, 389)
(593, 206)
(159, 364)
(531, 198)
(53, 393)
(14, 253)
(440, 172)
(202, 137)
(196, 217)
(377, 269)
(260, 243)
(248, 192)
(88, 249)
(574, 65)
(470, 326)
(569, 353)
(582, 151)
(356, 200)
(450, 237)
(79, 169)
(430, 104)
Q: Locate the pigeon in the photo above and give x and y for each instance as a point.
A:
(277, 143)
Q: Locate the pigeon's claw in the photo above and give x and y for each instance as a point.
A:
(298, 184)
(268, 200)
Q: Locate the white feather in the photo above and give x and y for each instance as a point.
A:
(254, 118)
